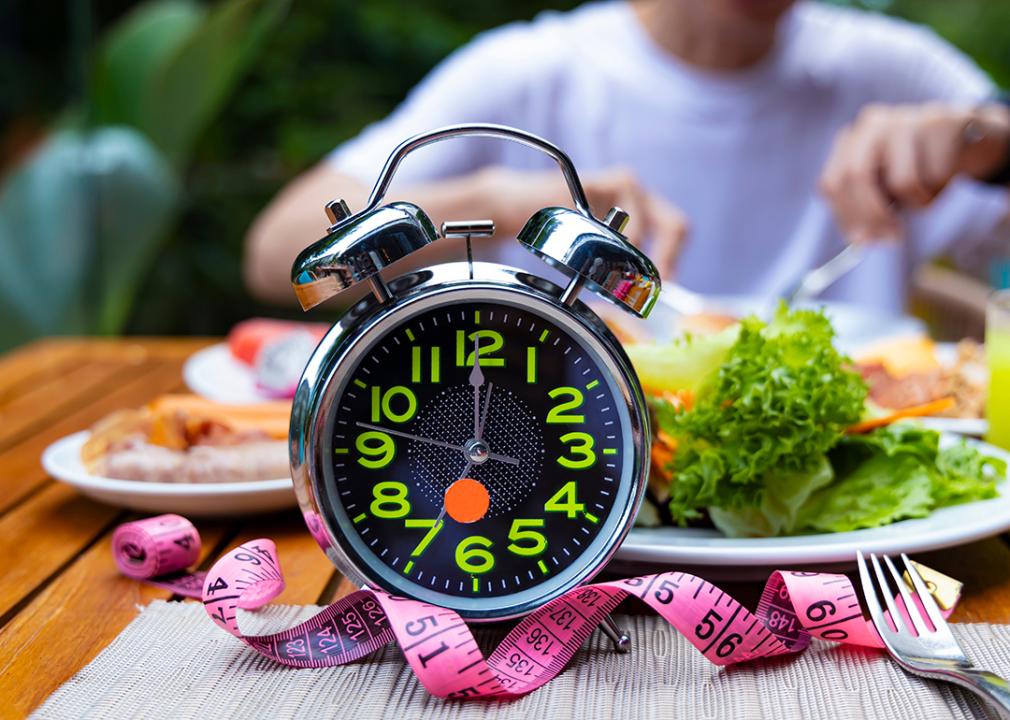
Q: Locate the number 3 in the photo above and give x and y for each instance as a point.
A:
(581, 447)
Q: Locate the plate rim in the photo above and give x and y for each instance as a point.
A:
(83, 479)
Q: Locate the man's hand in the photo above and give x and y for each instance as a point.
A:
(515, 195)
(897, 157)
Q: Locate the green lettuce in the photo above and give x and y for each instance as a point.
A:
(898, 472)
(785, 494)
(686, 363)
(769, 407)
(893, 473)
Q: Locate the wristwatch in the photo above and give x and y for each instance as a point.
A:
(1002, 174)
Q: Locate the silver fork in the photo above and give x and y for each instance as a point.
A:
(819, 279)
(931, 652)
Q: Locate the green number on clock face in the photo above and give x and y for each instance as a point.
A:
(434, 528)
(559, 413)
(564, 501)
(581, 447)
(416, 369)
(526, 541)
(400, 396)
(376, 449)
(473, 556)
(466, 342)
(390, 500)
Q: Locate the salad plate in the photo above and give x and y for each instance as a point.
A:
(63, 461)
(668, 547)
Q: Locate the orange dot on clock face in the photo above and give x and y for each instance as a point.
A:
(467, 500)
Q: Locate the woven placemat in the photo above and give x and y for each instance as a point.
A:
(172, 662)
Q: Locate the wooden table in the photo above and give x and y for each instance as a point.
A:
(61, 598)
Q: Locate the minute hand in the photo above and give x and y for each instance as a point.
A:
(439, 443)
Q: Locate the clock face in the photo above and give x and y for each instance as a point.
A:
(479, 450)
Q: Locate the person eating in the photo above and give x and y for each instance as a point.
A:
(749, 140)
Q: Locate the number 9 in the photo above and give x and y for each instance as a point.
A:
(376, 448)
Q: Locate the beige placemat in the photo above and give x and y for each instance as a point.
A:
(171, 662)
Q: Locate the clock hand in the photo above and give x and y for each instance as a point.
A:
(476, 380)
(465, 473)
(483, 417)
(438, 443)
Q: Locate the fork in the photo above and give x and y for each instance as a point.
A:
(820, 278)
(930, 651)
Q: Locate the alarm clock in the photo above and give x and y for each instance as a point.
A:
(471, 435)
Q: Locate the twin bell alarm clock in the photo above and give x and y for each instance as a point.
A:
(471, 435)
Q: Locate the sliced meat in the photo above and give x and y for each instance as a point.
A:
(906, 391)
(138, 460)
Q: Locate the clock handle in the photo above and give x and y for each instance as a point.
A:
(479, 130)
(592, 252)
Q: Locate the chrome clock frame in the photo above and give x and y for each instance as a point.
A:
(324, 378)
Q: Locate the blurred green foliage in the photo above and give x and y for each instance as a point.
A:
(329, 68)
(84, 216)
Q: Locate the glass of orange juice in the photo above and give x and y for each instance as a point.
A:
(997, 351)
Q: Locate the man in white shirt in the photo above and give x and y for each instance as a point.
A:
(775, 131)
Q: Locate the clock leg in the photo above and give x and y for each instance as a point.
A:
(620, 638)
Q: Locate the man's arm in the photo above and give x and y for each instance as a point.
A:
(295, 218)
(903, 156)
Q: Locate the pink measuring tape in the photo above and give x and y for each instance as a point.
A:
(794, 607)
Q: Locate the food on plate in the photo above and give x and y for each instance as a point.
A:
(879, 417)
(248, 338)
(188, 439)
(906, 372)
(969, 380)
(276, 350)
(755, 435)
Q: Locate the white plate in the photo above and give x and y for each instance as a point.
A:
(947, 527)
(855, 325)
(215, 373)
(62, 460)
(975, 427)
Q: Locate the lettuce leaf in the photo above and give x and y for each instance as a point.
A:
(686, 363)
(877, 492)
(898, 472)
(784, 495)
(780, 398)
(893, 473)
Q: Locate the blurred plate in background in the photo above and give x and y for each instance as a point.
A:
(855, 325)
(62, 460)
(217, 375)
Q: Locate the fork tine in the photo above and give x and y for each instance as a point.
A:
(913, 612)
(892, 607)
(924, 595)
(869, 593)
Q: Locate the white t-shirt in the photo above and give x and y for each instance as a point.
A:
(739, 152)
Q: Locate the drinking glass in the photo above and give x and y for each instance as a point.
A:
(997, 350)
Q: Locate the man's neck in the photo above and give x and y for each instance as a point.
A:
(691, 31)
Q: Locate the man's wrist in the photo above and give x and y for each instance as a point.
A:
(988, 133)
